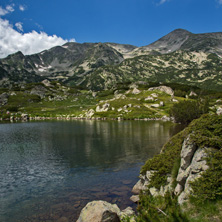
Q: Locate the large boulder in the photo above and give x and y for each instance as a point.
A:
(219, 111)
(165, 89)
(104, 108)
(99, 211)
(136, 91)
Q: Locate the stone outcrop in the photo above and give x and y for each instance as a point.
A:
(136, 91)
(90, 113)
(219, 111)
(39, 90)
(165, 89)
(104, 108)
(192, 165)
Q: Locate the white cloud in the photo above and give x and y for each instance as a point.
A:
(8, 9)
(162, 2)
(22, 8)
(220, 2)
(18, 25)
(12, 41)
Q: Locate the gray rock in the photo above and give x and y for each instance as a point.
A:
(129, 213)
(182, 175)
(188, 149)
(165, 89)
(90, 113)
(3, 99)
(46, 82)
(192, 94)
(154, 192)
(219, 111)
(161, 103)
(39, 90)
(135, 198)
(149, 98)
(104, 108)
(178, 189)
(138, 187)
(99, 211)
(136, 91)
(197, 166)
(155, 105)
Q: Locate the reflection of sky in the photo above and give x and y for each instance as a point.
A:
(45, 158)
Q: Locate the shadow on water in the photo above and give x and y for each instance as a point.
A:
(50, 170)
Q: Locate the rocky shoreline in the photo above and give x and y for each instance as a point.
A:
(191, 153)
(26, 117)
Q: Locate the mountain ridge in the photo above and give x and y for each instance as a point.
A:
(83, 64)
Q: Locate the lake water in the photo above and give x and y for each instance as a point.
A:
(50, 170)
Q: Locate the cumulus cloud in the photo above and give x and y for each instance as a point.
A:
(12, 40)
(22, 8)
(18, 25)
(162, 2)
(8, 9)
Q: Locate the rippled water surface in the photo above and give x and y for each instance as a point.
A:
(50, 170)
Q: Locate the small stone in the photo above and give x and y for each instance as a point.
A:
(137, 187)
(135, 198)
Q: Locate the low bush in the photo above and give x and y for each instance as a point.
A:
(186, 111)
(160, 209)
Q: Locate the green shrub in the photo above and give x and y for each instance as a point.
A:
(186, 111)
(12, 109)
(159, 209)
(207, 131)
(209, 186)
(164, 162)
(180, 93)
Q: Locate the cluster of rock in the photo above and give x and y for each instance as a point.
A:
(193, 164)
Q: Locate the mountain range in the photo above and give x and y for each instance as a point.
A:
(179, 57)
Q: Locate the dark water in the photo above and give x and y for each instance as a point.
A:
(50, 170)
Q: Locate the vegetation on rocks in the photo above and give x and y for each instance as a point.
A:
(206, 196)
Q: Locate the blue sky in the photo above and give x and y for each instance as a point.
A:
(136, 22)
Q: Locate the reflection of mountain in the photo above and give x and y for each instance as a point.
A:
(44, 163)
(107, 143)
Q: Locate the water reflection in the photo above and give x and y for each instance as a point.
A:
(49, 166)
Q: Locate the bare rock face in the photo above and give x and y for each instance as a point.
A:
(192, 165)
(187, 152)
(99, 211)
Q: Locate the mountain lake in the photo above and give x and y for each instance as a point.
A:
(50, 170)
